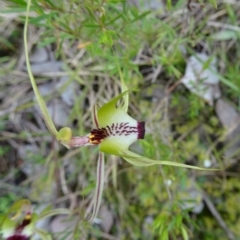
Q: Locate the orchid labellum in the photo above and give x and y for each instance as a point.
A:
(114, 130)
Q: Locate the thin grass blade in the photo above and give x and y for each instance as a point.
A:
(53, 212)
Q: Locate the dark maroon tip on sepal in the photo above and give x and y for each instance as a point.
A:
(141, 130)
(18, 237)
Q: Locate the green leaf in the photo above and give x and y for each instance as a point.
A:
(164, 235)
(50, 3)
(40, 20)
(115, 1)
(106, 37)
(140, 16)
(224, 35)
(19, 2)
(46, 209)
(13, 10)
(7, 43)
(47, 41)
(184, 233)
(111, 21)
(214, 3)
(169, 4)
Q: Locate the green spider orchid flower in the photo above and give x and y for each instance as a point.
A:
(114, 132)
(19, 222)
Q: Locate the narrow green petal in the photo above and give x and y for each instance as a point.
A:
(95, 115)
(50, 125)
(99, 186)
(54, 212)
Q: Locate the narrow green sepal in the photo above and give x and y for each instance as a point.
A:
(138, 160)
(46, 116)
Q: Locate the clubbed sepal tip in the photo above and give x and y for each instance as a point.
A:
(141, 130)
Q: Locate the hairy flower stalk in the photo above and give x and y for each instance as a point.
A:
(78, 141)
